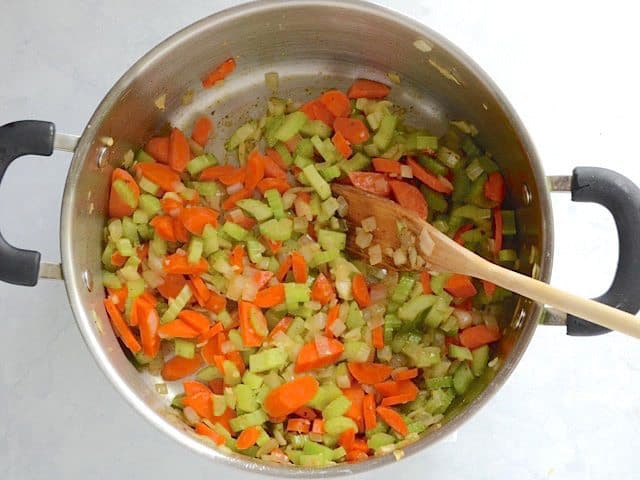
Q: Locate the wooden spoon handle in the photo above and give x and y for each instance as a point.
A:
(541, 292)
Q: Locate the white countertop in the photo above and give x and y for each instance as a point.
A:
(572, 408)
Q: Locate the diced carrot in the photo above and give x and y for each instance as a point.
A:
(407, 374)
(274, 167)
(355, 456)
(359, 445)
(318, 426)
(398, 399)
(121, 327)
(497, 230)
(247, 438)
(342, 145)
(369, 373)
(322, 290)
(201, 402)
(375, 183)
(360, 290)
(177, 329)
(393, 419)
(201, 130)
(171, 206)
(300, 425)
(195, 320)
(409, 197)
(143, 251)
(458, 235)
(284, 268)
(287, 398)
(180, 367)
(429, 179)
(352, 129)
(199, 290)
(216, 172)
(223, 419)
(478, 335)
(231, 200)
(118, 207)
(377, 337)
(307, 108)
(270, 296)
(306, 412)
(369, 412)
(396, 387)
(299, 268)
(236, 358)
(180, 231)
(386, 165)
(217, 386)
(148, 323)
(178, 263)
(494, 187)
(425, 281)
(211, 332)
(254, 170)
(250, 338)
(158, 148)
(347, 439)
(489, 288)
(336, 102)
(279, 184)
(161, 175)
(322, 113)
(117, 259)
(202, 429)
(460, 286)
(211, 350)
(179, 152)
(239, 218)
(281, 326)
(363, 88)
(310, 359)
(236, 258)
(216, 302)
(171, 286)
(356, 397)
(332, 316)
(261, 278)
(219, 73)
(191, 387)
(163, 225)
(119, 296)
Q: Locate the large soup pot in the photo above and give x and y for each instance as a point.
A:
(313, 45)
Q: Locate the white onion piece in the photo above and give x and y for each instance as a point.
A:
(322, 346)
(250, 290)
(228, 346)
(153, 278)
(338, 327)
(378, 292)
(236, 187)
(343, 381)
(235, 287)
(190, 415)
(464, 317)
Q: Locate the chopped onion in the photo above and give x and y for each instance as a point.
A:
(354, 334)
(235, 215)
(236, 187)
(190, 415)
(375, 254)
(249, 290)
(413, 256)
(343, 381)
(317, 322)
(153, 277)
(385, 353)
(426, 242)
(399, 257)
(369, 224)
(303, 209)
(154, 262)
(405, 171)
(161, 102)
(378, 291)
(343, 206)
(235, 287)
(464, 317)
(363, 239)
(322, 346)
(228, 346)
(338, 327)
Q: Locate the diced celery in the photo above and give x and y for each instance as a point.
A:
(195, 249)
(439, 401)
(230, 397)
(210, 240)
(339, 453)
(316, 128)
(149, 204)
(359, 161)
(422, 356)
(110, 280)
(329, 206)
(424, 142)
(208, 373)
(177, 401)
(471, 212)
(325, 395)
(235, 231)
(330, 240)
(383, 136)
(255, 250)
(326, 149)
(317, 182)
(252, 380)
(219, 405)
(403, 288)
(508, 222)
(414, 307)
(199, 163)
(337, 425)
(436, 201)
(240, 135)
(291, 125)
(231, 373)
(125, 248)
(125, 193)
(130, 230)
(432, 165)
(313, 448)
(437, 282)
(266, 360)
(469, 147)
(439, 382)
(316, 460)
(184, 348)
(301, 162)
(143, 157)
(336, 408)
(206, 189)
(277, 229)
(480, 360)
(140, 217)
(274, 199)
(459, 353)
(324, 257)
(507, 255)
(276, 106)
(304, 148)
(296, 293)
(284, 154)
(462, 378)
(440, 312)
(148, 186)
(378, 440)
(245, 398)
(461, 186)
(176, 305)
(356, 351)
(253, 419)
(329, 172)
(255, 208)
(355, 318)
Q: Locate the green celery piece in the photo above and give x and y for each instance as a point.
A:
(476, 196)
(337, 425)
(240, 135)
(219, 405)
(149, 204)
(330, 240)
(109, 249)
(194, 252)
(435, 200)
(255, 250)
(480, 360)
(357, 162)
(140, 217)
(130, 230)
(143, 157)
(469, 147)
(424, 142)
(380, 440)
(291, 125)
(437, 282)
(276, 106)
(462, 378)
(124, 247)
(421, 356)
(472, 212)
(252, 380)
(235, 231)
(231, 373)
(253, 419)
(432, 165)
(459, 353)
(110, 280)
(488, 165)
(296, 293)
(266, 360)
(176, 305)
(255, 208)
(318, 128)
(199, 163)
(277, 229)
(184, 348)
(326, 149)
(208, 373)
(506, 255)
(317, 182)
(356, 351)
(439, 401)
(245, 398)
(272, 125)
(274, 199)
(355, 317)
(336, 408)
(316, 460)
(301, 161)
(383, 136)
(414, 307)
(439, 313)
(329, 172)
(304, 148)
(403, 288)
(508, 222)
(324, 257)
(177, 401)
(284, 153)
(325, 395)
(210, 240)
(313, 448)
(461, 185)
(148, 186)
(439, 382)
(125, 193)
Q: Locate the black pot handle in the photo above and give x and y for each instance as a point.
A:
(621, 197)
(27, 137)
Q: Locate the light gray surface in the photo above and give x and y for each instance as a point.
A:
(570, 411)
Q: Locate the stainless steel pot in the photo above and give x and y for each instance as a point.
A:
(317, 44)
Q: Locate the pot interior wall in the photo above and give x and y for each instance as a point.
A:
(313, 47)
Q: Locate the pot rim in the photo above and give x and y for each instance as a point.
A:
(72, 275)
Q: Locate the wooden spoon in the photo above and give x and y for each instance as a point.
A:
(442, 254)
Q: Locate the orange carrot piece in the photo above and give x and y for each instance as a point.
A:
(216, 302)
(363, 88)
(180, 367)
(274, 245)
(429, 179)
(488, 287)
(322, 113)
(360, 290)
(279, 184)
(494, 187)
(211, 332)
(199, 290)
(177, 329)
(179, 152)
(284, 268)
(118, 208)
(306, 412)
(393, 387)
(261, 278)
(171, 286)
(407, 374)
(179, 230)
(219, 73)
(217, 386)
(192, 387)
(254, 170)
(195, 320)
(375, 183)
(356, 397)
(237, 175)
(201, 130)
(117, 259)
(163, 225)
(460, 285)
(409, 197)
(202, 429)
(161, 175)
(393, 419)
(386, 165)
(332, 316)
(369, 373)
(270, 296)
(119, 296)
(322, 290)
(287, 398)
(369, 412)
(223, 419)
(247, 438)
(336, 102)
(236, 358)
(457, 237)
(497, 230)
(281, 326)
(178, 263)
(121, 327)
(250, 338)
(299, 267)
(195, 219)
(318, 426)
(143, 251)
(274, 166)
(377, 337)
(239, 218)
(216, 172)
(231, 200)
(356, 456)
(398, 399)
(201, 402)
(342, 145)
(352, 129)
(171, 206)
(310, 359)
(347, 439)
(158, 148)
(300, 425)
(236, 258)
(478, 335)
(148, 323)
